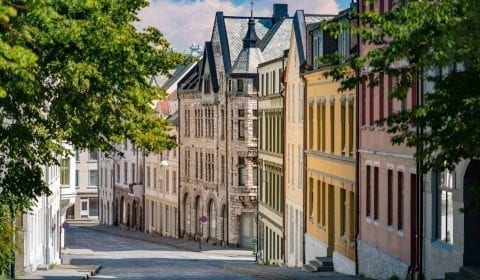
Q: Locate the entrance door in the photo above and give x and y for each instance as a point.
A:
(471, 181)
(247, 230)
(84, 208)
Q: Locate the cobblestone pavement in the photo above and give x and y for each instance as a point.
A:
(124, 257)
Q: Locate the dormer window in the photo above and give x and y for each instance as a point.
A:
(239, 85)
(317, 48)
(206, 85)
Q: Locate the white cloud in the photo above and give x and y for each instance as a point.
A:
(185, 22)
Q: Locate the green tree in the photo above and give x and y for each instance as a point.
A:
(412, 41)
(76, 72)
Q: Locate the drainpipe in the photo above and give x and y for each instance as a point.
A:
(179, 167)
(284, 136)
(420, 186)
(304, 170)
(226, 169)
(357, 153)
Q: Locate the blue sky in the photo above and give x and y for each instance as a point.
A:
(185, 22)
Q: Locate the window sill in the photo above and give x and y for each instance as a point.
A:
(368, 220)
(400, 233)
(390, 228)
(375, 222)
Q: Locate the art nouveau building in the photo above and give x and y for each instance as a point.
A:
(330, 153)
(271, 192)
(218, 134)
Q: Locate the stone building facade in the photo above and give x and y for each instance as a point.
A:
(218, 142)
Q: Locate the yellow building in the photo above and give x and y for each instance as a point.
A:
(330, 156)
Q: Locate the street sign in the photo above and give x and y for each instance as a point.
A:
(203, 219)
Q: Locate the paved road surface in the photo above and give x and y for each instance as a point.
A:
(125, 258)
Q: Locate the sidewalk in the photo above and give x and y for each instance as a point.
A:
(284, 273)
(182, 244)
(66, 272)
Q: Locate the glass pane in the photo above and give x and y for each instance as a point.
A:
(443, 215)
(449, 218)
(93, 211)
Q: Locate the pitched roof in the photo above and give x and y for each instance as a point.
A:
(273, 38)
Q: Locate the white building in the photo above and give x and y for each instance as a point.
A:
(43, 235)
(86, 184)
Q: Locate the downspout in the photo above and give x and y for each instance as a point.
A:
(100, 207)
(357, 153)
(179, 228)
(284, 136)
(420, 181)
(226, 168)
(304, 170)
(259, 189)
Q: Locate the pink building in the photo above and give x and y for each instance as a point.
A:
(387, 240)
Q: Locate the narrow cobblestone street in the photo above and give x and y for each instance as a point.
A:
(123, 257)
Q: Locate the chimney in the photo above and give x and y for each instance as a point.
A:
(279, 11)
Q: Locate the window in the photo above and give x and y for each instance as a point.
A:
(187, 122)
(255, 128)
(375, 193)
(400, 200)
(390, 198)
(343, 128)
(93, 203)
(125, 172)
(222, 174)
(241, 161)
(241, 129)
(167, 181)
(445, 183)
(155, 177)
(255, 175)
(93, 155)
(65, 172)
(77, 155)
(133, 172)
(332, 128)
(77, 178)
(84, 205)
(369, 187)
(241, 176)
(343, 212)
(240, 85)
(174, 181)
(148, 176)
(93, 177)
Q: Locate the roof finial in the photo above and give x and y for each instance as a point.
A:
(251, 8)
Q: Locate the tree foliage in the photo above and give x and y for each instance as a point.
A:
(76, 72)
(415, 40)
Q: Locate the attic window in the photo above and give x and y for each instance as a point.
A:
(240, 85)
(206, 85)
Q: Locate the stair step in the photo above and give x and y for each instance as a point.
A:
(309, 268)
(453, 276)
(325, 261)
(470, 272)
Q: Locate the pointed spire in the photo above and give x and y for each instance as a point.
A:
(251, 38)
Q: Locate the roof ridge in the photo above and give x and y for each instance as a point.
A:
(270, 33)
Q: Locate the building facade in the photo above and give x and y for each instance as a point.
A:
(218, 133)
(388, 228)
(294, 155)
(271, 193)
(86, 180)
(105, 189)
(330, 131)
(42, 234)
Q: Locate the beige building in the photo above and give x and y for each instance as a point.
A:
(294, 159)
